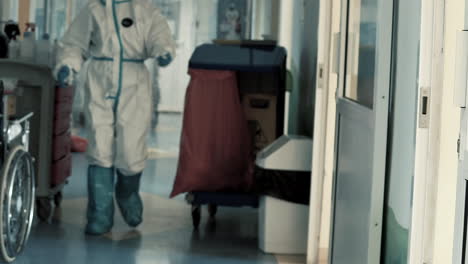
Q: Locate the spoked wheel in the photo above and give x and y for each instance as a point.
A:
(17, 198)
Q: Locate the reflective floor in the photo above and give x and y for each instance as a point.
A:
(166, 236)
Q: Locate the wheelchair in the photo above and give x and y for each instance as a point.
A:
(17, 182)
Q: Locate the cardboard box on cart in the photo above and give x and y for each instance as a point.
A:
(260, 112)
(260, 103)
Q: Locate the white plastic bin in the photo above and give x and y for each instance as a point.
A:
(283, 226)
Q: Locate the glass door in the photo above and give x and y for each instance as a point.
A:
(361, 139)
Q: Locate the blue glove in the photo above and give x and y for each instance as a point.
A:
(164, 60)
(63, 76)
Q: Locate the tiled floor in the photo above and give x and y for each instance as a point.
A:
(166, 235)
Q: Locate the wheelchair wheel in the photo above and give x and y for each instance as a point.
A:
(17, 198)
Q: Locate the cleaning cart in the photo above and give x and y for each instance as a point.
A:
(234, 108)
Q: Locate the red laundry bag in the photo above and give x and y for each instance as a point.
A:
(79, 144)
(215, 150)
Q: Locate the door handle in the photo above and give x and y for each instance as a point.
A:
(424, 109)
(424, 105)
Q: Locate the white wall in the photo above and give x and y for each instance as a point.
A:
(291, 35)
(265, 19)
(261, 18)
(298, 34)
(173, 79)
(450, 126)
(4, 7)
(206, 15)
(8, 10)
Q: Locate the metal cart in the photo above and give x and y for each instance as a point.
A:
(261, 73)
(37, 93)
(17, 182)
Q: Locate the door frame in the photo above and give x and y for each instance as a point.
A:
(427, 133)
(329, 62)
(461, 205)
(321, 118)
(425, 169)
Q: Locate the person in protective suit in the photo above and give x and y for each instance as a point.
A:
(117, 36)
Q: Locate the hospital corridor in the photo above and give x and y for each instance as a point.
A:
(234, 131)
(166, 235)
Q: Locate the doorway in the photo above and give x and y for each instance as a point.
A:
(361, 131)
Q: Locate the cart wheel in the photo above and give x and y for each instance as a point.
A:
(16, 203)
(58, 199)
(212, 209)
(196, 215)
(44, 209)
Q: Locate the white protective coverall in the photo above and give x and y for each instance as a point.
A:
(117, 36)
